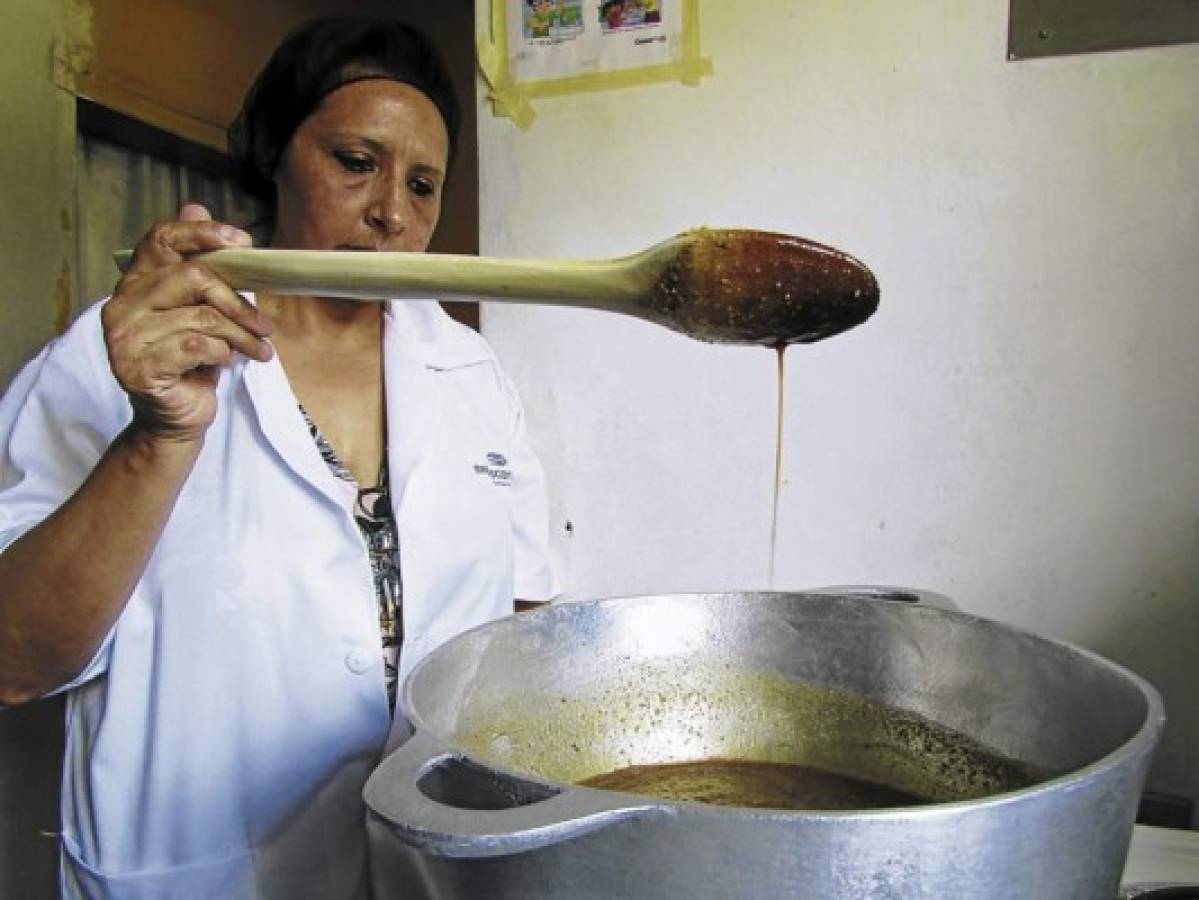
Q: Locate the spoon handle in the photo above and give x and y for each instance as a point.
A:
(609, 284)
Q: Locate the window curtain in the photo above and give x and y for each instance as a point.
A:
(122, 192)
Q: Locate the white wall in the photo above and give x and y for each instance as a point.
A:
(1018, 426)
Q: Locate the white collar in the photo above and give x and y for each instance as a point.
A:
(424, 331)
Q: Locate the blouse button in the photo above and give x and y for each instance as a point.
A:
(358, 661)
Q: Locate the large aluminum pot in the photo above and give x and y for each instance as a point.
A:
(481, 800)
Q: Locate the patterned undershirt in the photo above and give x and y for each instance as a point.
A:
(373, 513)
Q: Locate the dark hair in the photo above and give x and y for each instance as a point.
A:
(314, 60)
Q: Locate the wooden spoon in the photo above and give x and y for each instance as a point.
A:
(731, 286)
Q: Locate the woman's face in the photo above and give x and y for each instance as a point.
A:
(364, 171)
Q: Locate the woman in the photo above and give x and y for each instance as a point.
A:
(209, 503)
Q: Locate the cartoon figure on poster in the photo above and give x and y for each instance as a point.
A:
(617, 15)
(552, 18)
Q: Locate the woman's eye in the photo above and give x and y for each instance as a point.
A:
(422, 187)
(355, 162)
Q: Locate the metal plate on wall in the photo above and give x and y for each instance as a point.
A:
(1039, 28)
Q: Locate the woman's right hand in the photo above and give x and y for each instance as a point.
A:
(171, 325)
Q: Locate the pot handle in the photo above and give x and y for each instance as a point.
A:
(434, 798)
(888, 592)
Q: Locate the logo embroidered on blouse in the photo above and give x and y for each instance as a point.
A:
(496, 468)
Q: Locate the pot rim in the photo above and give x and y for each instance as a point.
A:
(1143, 739)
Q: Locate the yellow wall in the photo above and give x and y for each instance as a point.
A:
(37, 220)
(37, 182)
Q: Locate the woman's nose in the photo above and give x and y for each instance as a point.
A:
(388, 211)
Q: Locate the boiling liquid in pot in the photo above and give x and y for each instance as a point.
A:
(780, 785)
(737, 782)
(685, 729)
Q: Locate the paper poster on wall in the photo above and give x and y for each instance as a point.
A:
(541, 48)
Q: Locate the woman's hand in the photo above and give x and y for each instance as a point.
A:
(171, 325)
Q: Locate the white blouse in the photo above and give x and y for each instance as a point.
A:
(218, 742)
